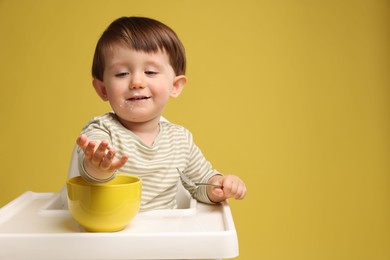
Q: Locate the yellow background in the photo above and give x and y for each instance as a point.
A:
(293, 96)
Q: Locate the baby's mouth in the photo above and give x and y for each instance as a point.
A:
(137, 98)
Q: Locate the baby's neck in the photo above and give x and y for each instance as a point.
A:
(146, 131)
(148, 137)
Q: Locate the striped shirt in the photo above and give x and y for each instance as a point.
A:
(155, 165)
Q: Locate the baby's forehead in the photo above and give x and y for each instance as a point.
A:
(126, 56)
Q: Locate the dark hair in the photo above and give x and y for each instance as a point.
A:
(140, 34)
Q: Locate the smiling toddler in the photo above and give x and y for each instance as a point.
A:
(139, 64)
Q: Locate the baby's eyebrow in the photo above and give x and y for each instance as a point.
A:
(153, 63)
(117, 65)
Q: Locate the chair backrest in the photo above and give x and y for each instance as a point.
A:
(73, 170)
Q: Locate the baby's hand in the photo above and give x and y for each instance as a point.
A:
(232, 187)
(99, 161)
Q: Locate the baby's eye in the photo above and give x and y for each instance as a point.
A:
(151, 73)
(121, 74)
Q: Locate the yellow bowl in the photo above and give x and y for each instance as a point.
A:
(106, 207)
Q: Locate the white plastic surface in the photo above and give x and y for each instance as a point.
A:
(38, 226)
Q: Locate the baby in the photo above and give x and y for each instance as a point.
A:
(139, 64)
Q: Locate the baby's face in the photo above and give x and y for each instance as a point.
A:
(138, 84)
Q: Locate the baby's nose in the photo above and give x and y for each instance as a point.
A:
(137, 82)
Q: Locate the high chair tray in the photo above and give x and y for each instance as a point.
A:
(37, 226)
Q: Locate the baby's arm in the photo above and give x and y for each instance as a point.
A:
(232, 187)
(99, 161)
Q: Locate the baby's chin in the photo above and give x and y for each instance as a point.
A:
(137, 118)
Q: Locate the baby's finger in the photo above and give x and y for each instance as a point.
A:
(231, 189)
(227, 188)
(241, 192)
(218, 192)
(82, 141)
(107, 159)
(116, 164)
(89, 150)
(100, 152)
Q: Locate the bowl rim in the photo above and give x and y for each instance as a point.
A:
(137, 180)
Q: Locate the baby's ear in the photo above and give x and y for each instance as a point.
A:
(100, 89)
(178, 85)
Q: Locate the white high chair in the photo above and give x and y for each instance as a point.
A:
(39, 226)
